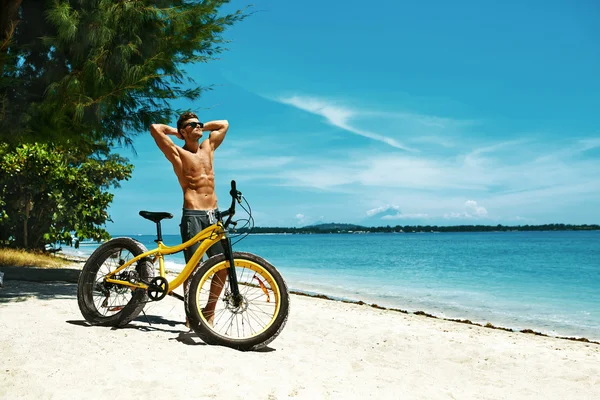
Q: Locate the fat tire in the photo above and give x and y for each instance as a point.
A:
(211, 337)
(85, 284)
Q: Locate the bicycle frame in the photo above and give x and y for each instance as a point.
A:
(209, 236)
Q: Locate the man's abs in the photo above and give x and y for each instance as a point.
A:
(203, 198)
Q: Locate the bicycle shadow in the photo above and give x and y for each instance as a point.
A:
(153, 324)
(189, 338)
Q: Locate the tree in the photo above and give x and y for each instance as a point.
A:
(77, 78)
(47, 195)
(91, 71)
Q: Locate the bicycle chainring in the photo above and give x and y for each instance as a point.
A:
(158, 288)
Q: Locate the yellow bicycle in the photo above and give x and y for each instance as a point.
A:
(249, 303)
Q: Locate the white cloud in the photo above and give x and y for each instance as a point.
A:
(474, 211)
(300, 219)
(475, 208)
(383, 209)
(455, 215)
(340, 117)
(392, 212)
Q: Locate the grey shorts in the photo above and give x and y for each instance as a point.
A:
(192, 222)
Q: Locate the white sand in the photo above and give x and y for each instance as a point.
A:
(328, 350)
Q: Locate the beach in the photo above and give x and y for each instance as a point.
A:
(328, 350)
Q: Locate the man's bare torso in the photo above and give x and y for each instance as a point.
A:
(197, 177)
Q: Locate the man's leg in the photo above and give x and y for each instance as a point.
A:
(216, 285)
(189, 228)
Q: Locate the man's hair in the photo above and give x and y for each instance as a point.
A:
(184, 117)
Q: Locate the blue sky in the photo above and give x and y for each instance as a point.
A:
(397, 113)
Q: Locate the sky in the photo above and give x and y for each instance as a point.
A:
(395, 113)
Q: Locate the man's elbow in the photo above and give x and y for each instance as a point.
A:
(154, 129)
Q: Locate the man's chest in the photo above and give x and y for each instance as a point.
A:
(200, 162)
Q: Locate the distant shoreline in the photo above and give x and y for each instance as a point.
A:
(354, 229)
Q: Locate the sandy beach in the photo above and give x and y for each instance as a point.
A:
(328, 350)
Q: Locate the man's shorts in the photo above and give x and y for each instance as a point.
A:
(192, 222)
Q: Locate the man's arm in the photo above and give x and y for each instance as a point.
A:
(160, 134)
(217, 129)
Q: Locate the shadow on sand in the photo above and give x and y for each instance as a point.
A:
(15, 291)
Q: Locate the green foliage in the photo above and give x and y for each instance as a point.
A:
(47, 194)
(78, 77)
(89, 71)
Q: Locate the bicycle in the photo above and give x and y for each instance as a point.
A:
(252, 306)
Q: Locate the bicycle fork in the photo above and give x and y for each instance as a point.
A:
(233, 283)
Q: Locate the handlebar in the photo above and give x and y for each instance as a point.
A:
(235, 195)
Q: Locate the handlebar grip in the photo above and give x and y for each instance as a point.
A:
(233, 191)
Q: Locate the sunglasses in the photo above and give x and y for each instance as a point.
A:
(194, 124)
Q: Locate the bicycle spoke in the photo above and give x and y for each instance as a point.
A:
(221, 313)
(231, 323)
(256, 317)
(250, 323)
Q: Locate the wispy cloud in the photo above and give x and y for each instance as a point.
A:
(392, 212)
(424, 120)
(476, 156)
(341, 117)
(569, 150)
(383, 209)
(590, 143)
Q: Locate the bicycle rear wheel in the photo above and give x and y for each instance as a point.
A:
(109, 304)
(252, 323)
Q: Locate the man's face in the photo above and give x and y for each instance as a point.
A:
(192, 129)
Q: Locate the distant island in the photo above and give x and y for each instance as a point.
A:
(351, 228)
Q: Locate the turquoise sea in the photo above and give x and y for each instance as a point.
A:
(545, 281)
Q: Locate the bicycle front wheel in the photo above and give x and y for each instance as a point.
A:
(247, 323)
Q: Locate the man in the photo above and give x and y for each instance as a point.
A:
(193, 165)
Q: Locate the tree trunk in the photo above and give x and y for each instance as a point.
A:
(28, 206)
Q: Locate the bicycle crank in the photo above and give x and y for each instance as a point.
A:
(158, 288)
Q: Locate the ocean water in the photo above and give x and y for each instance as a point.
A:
(545, 281)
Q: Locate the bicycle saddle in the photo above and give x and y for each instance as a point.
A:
(156, 216)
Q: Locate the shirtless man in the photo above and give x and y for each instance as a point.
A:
(193, 165)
